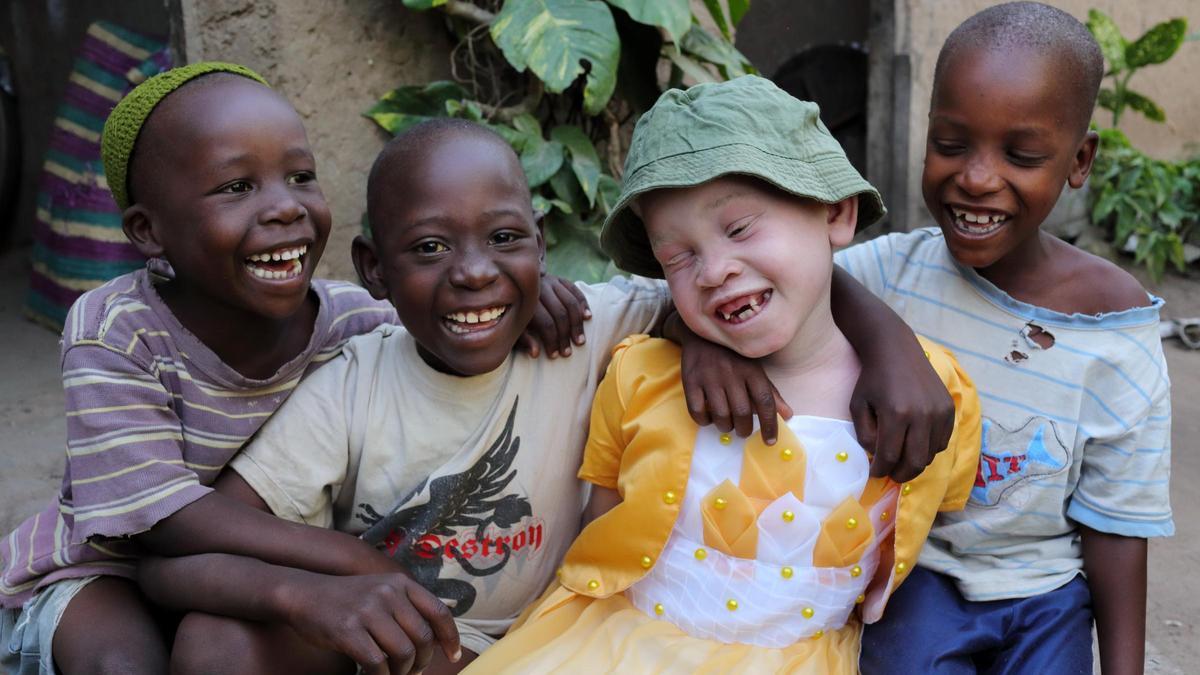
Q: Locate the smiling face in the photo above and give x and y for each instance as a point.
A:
(456, 250)
(1001, 144)
(224, 187)
(748, 265)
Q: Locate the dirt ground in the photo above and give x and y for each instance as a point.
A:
(32, 438)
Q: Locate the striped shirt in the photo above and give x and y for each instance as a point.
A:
(1077, 419)
(153, 416)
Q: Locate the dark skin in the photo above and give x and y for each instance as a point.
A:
(1002, 144)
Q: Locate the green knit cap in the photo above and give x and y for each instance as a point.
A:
(125, 122)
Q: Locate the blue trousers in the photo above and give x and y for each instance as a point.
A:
(928, 627)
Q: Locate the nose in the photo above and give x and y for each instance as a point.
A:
(716, 269)
(474, 270)
(282, 207)
(979, 176)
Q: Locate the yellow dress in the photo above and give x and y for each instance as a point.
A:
(727, 555)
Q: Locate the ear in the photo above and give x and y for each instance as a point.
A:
(1081, 166)
(139, 229)
(366, 263)
(842, 218)
(539, 221)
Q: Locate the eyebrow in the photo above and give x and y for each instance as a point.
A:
(724, 199)
(238, 159)
(1015, 131)
(438, 219)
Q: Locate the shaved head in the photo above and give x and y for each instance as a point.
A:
(1034, 27)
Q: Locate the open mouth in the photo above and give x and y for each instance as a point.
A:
(278, 264)
(743, 308)
(976, 223)
(474, 321)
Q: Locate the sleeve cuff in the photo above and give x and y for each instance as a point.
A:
(277, 499)
(139, 520)
(1144, 528)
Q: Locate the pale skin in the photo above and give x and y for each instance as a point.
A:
(722, 243)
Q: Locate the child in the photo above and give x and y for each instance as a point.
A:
(702, 558)
(1065, 350)
(167, 376)
(454, 456)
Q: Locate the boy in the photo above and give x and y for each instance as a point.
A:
(1064, 349)
(419, 446)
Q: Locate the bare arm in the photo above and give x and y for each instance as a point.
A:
(601, 502)
(901, 410)
(1116, 572)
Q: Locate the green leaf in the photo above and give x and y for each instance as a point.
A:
(610, 192)
(673, 16)
(718, 16)
(737, 10)
(702, 44)
(585, 162)
(1145, 106)
(422, 5)
(469, 110)
(565, 186)
(1157, 45)
(1107, 99)
(1105, 30)
(553, 38)
(689, 66)
(540, 160)
(403, 107)
(545, 205)
(576, 252)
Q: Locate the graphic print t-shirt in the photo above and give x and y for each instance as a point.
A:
(470, 482)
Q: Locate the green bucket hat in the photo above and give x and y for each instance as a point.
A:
(125, 122)
(744, 126)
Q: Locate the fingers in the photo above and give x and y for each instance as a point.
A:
(558, 336)
(762, 397)
(439, 619)
(541, 330)
(916, 454)
(361, 648)
(529, 344)
(718, 409)
(580, 298)
(574, 310)
(864, 425)
(943, 428)
(401, 653)
(781, 406)
(697, 405)
(419, 633)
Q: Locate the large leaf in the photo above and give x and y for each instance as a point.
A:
(1107, 99)
(422, 5)
(540, 158)
(689, 66)
(718, 17)
(403, 107)
(673, 16)
(1145, 106)
(738, 9)
(1157, 45)
(576, 251)
(721, 53)
(1112, 45)
(553, 38)
(584, 160)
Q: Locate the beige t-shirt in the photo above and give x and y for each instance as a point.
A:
(468, 481)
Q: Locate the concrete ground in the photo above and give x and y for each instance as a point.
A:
(32, 442)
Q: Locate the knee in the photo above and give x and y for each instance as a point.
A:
(207, 644)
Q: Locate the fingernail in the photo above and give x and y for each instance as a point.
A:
(580, 339)
(567, 351)
(587, 313)
(769, 441)
(457, 656)
(553, 355)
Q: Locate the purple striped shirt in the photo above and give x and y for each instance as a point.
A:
(153, 416)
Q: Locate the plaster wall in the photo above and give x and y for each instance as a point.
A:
(922, 26)
(332, 59)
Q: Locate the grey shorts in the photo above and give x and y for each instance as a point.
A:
(27, 634)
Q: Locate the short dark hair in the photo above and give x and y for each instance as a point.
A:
(412, 145)
(1038, 27)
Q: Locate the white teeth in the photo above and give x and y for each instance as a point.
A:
(481, 316)
(279, 255)
(472, 317)
(727, 315)
(754, 303)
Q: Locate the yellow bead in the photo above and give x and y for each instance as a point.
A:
(926, 354)
(818, 635)
(669, 497)
(786, 573)
(647, 561)
(842, 456)
(701, 554)
(593, 585)
(788, 516)
(786, 454)
(731, 604)
(884, 516)
(807, 612)
(855, 571)
(859, 600)
(726, 439)
(658, 609)
(906, 489)
(559, 573)
(900, 567)
(851, 523)
(719, 503)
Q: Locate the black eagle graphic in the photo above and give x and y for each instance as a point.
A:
(469, 499)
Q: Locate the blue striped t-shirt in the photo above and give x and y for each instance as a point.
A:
(1077, 418)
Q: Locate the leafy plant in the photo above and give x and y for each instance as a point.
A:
(561, 80)
(1150, 202)
(1125, 58)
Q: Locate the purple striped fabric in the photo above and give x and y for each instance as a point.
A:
(81, 247)
(152, 417)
